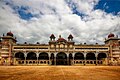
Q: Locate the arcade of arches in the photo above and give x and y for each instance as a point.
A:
(60, 58)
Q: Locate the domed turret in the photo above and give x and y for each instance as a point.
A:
(52, 37)
(70, 37)
(111, 35)
(10, 34)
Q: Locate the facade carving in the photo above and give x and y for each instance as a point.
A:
(59, 52)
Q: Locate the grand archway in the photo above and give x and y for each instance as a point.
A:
(52, 59)
(70, 58)
(61, 59)
(101, 56)
(31, 56)
(91, 59)
(20, 56)
(90, 56)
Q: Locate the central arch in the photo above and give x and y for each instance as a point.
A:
(61, 58)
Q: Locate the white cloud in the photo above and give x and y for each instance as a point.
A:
(57, 18)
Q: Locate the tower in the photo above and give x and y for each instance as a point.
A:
(52, 41)
(114, 51)
(7, 42)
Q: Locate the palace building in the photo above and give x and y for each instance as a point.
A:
(59, 52)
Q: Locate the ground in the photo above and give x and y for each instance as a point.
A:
(59, 72)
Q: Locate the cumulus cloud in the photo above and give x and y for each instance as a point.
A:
(57, 17)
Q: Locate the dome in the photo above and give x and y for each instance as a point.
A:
(60, 39)
(111, 35)
(10, 34)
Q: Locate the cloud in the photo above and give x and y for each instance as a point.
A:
(57, 17)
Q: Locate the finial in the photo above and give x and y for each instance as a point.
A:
(59, 36)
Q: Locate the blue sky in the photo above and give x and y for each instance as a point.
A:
(33, 21)
(109, 6)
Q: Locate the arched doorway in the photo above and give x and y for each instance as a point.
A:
(31, 56)
(52, 59)
(90, 56)
(43, 56)
(61, 59)
(91, 59)
(101, 56)
(20, 56)
(70, 59)
(79, 56)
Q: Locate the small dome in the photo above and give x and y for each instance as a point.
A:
(111, 35)
(10, 34)
(60, 39)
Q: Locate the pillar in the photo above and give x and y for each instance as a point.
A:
(85, 58)
(55, 58)
(37, 55)
(67, 58)
(96, 55)
(49, 54)
(73, 54)
(25, 54)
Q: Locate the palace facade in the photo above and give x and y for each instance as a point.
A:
(59, 52)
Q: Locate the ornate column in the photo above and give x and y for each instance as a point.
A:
(37, 55)
(85, 58)
(25, 54)
(68, 58)
(49, 54)
(73, 54)
(96, 55)
(107, 59)
(55, 58)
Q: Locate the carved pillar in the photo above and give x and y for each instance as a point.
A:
(55, 58)
(37, 55)
(49, 55)
(85, 58)
(67, 58)
(96, 55)
(73, 54)
(25, 54)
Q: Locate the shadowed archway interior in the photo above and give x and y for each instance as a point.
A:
(20, 55)
(79, 56)
(31, 56)
(61, 58)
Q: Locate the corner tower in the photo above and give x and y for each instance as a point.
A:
(7, 42)
(113, 41)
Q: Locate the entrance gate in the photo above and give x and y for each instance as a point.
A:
(61, 59)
